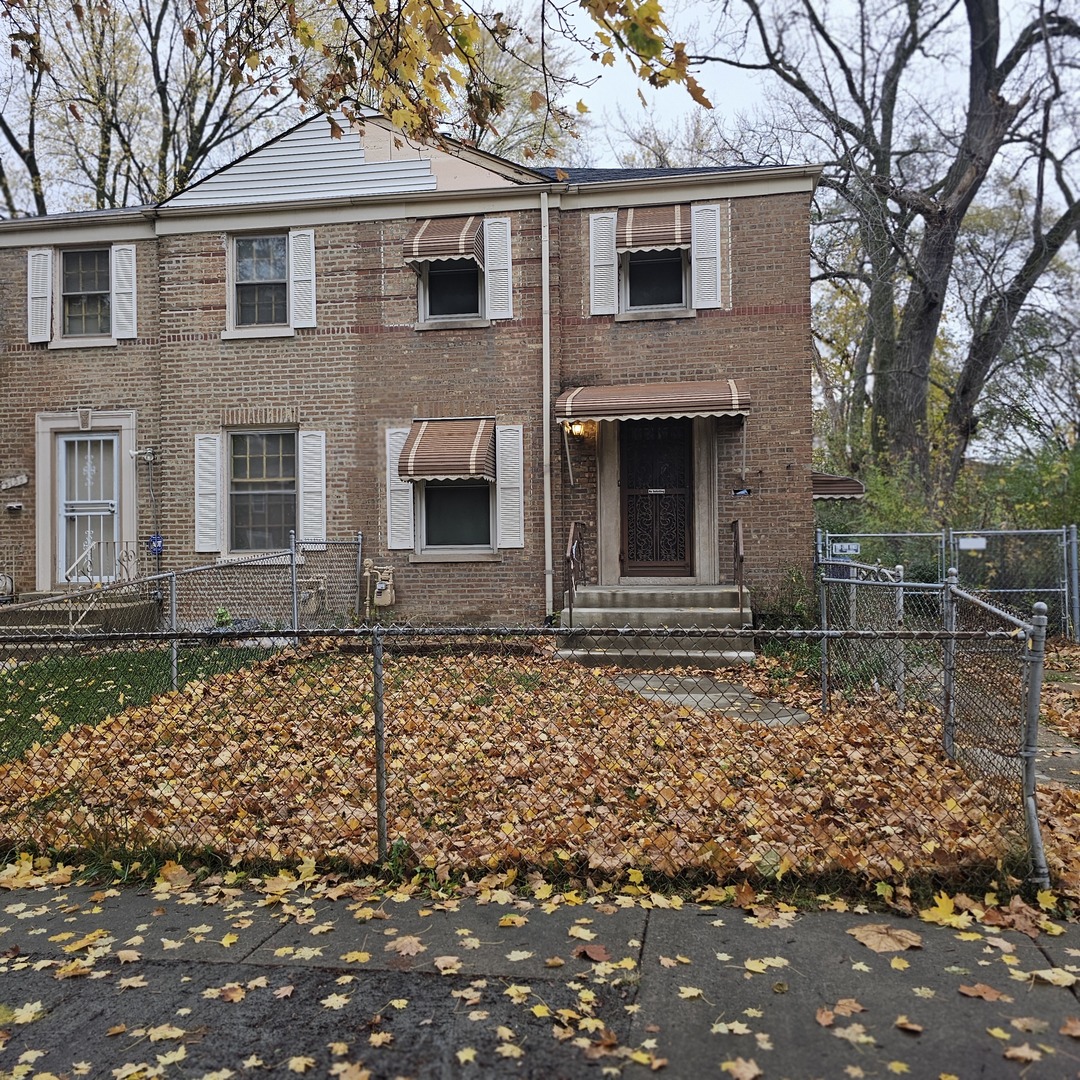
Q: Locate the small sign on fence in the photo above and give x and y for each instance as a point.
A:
(847, 548)
(971, 543)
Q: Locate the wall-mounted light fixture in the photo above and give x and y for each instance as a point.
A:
(14, 508)
(575, 428)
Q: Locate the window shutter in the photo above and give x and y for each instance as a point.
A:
(399, 494)
(39, 262)
(510, 488)
(498, 272)
(208, 492)
(604, 265)
(705, 256)
(123, 291)
(302, 277)
(311, 519)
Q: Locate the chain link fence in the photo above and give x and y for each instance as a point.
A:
(459, 750)
(1010, 568)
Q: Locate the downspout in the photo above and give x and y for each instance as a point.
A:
(545, 329)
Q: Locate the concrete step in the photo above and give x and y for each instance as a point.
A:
(698, 618)
(654, 659)
(672, 597)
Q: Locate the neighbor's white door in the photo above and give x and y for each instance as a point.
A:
(88, 480)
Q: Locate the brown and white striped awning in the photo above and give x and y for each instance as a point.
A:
(653, 228)
(435, 239)
(828, 486)
(652, 401)
(449, 450)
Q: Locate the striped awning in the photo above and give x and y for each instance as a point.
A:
(446, 238)
(449, 450)
(652, 401)
(645, 228)
(827, 486)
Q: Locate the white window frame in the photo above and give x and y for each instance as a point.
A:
(213, 477)
(44, 297)
(405, 503)
(300, 285)
(495, 283)
(423, 547)
(624, 284)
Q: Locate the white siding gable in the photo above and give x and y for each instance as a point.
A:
(307, 163)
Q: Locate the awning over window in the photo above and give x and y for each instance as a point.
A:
(449, 450)
(652, 401)
(644, 228)
(827, 486)
(446, 238)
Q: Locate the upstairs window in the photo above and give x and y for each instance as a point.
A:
(654, 261)
(271, 284)
(94, 290)
(86, 289)
(463, 268)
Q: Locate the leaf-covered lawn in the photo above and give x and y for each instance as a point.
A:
(502, 759)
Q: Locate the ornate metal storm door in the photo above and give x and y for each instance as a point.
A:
(657, 496)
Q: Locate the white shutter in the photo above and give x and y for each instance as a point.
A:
(301, 277)
(705, 256)
(311, 518)
(123, 291)
(39, 274)
(399, 494)
(603, 265)
(510, 487)
(498, 271)
(208, 492)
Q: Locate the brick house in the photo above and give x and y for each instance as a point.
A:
(455, 355)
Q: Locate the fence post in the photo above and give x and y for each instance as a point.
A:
(900, 670)
(823, 608)
(293, 582)
(174, 647)
(359, 574)
(1073, 563)
(948, 680)
(380, 742)
(1034, 658)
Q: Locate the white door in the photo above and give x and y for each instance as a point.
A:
(88, 534)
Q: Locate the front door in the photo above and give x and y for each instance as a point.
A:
(656, 484)
(88, 482)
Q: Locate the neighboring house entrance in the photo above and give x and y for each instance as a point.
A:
(656, 485)
(88, 479)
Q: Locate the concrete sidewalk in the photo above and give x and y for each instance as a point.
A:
(214, 982)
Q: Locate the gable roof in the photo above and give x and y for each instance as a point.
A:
(602, 176)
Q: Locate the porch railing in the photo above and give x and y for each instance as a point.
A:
(737, 554)
(575, 566)
(105, 560)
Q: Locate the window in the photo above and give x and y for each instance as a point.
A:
(262, 490)
(255, 487)
(455, 488)
(95, 290)
(86, 293)
(272, 284)
(450, 289)
(463, 269)
(654, 261)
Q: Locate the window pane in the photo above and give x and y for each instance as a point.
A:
(261, 258)
(261, 305)
(262, 292)
(453, 288)
(457, 514)
(85, 290)
(262, 490)
(655, 278)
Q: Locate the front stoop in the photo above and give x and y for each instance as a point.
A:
(635, 608)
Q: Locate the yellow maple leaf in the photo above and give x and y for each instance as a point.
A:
(690, 993)
(300, 1064)
(466, 1055)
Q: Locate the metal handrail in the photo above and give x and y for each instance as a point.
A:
(738, 555)
(125, 561)
(575, 565)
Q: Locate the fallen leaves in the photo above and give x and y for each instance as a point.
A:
(883, 938)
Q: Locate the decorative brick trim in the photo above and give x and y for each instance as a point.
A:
(264, 416)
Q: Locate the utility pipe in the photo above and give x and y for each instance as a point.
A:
(545, 330)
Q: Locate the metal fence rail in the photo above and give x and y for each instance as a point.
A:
(461, 749)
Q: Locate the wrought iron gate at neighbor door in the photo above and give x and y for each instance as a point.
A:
(657, 496)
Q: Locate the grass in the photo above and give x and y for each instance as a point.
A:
(43, 698)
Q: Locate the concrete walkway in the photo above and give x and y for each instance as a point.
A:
(331, 982)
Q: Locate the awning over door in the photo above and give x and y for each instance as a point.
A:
(827, 486)
(446, 238)
(644, 228)
(652, 401)
(449, 450)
